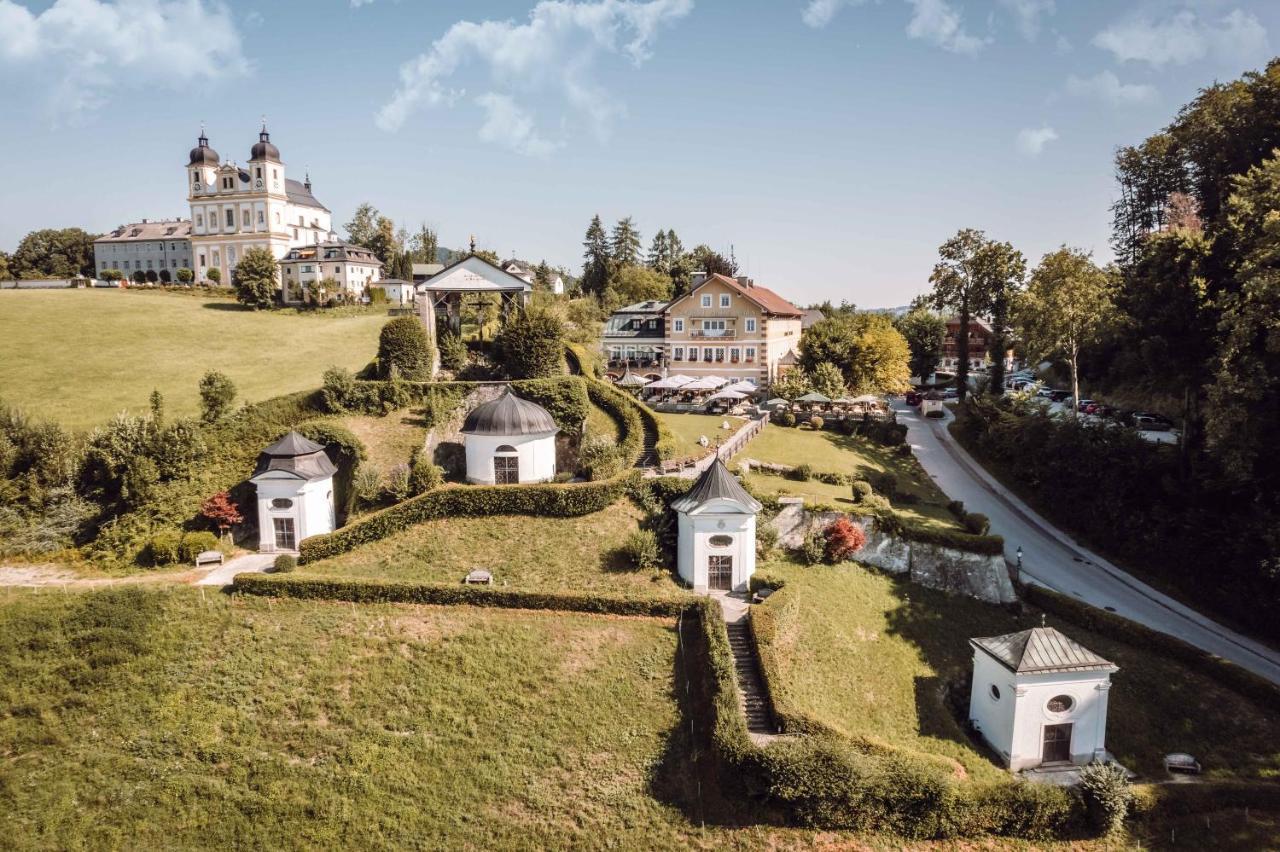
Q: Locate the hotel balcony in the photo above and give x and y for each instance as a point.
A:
(717, 334)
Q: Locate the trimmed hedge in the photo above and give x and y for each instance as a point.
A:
(548, 500)
(374, 591)
(564, 398)
(1243, 681)
(626, 411)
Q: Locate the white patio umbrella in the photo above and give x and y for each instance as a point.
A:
(729, 394)
(814, 397)
(744, 386)
(708, 383)
(631, 380)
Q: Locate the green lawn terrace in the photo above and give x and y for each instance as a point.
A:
(523, 553)
(830, 452)
(688, 428)
(81, 356)
(172, 720)
(875, 657)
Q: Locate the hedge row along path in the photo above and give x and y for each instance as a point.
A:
(1053, 559)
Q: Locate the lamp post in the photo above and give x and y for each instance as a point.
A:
(1019, 555)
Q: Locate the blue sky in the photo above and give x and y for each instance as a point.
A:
(833, 144)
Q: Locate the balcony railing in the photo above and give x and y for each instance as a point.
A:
(715, 334)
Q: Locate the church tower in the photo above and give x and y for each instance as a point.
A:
(202, 166)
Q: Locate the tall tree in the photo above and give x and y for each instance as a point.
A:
(1066, 306)
(385, 243)
(705, 259)
(1001, 272)
(363, 227)
(53, 253)
(659, 257)
(958, 286)
(869, 352)
(425, 245)
(255, 278)
(596, 259)
(924, 332)
(624, 246)
(632, 284)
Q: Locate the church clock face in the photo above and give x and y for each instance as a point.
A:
(258, 183)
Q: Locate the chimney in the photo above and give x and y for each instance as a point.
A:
(744, 281)
(696, 278)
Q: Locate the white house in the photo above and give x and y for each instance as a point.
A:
(294, 479)
(510, 440)
(716, 549)
(1040, 698)
(399, 292)
(351, 269)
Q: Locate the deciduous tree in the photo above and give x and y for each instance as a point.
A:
(924, 332)
(957, 286)
(255, 278)
(53, 253)
(217, 393)
(631, 284)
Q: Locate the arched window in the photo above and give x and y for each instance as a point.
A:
(506, 465)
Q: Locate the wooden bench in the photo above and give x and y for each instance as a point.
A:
(478, 577)
(209, 557)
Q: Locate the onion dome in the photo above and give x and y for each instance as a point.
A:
(298, 456)
(509, 415)
(264, 150)
(202, 154)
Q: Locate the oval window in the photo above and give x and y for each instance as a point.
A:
(1060, 704)
(720, 540)
(995, 692)
(282, 503)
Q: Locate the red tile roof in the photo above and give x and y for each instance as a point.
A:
(762, 296)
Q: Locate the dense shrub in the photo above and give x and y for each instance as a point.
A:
(1105, 787)
(843, 539)
(885, 482)
(285, 563)
(165, 547)
(530, 345)
(631, 416)
(816, 423)
(976, 523)
(217, 393)
(404, 349)
(599, 458)
(956, 508)
(564, 397)
(547, 500)
(801, 473)
(641, 550)
(785, 418)
(453, 352)
(338, 390)
(195, 543)
(398, 487)
(423, 473)
(766, 540)
(367, 484)
(813, 549)
(861, 490)
(903, 450)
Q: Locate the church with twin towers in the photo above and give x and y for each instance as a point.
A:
(238, 207)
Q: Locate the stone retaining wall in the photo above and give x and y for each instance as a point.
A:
(960, 572)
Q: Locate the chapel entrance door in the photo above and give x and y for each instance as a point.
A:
(1057, 744)
(720, 573)
(286, 538)
(506, 470)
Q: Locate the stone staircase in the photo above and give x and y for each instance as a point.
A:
(751, 694)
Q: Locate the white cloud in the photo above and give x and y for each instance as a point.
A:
(92, 46)
(818, 13)
(509, 125)
(1238, 37)
(1106, 86)
(1028, 14)
(1031, 140)
(937, 21)
(555, 52)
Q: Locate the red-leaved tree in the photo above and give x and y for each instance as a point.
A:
(843, 539)
(221, 512)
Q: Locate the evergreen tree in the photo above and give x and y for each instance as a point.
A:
(625, 245)
(425, 245)
(659, 258)
(596, 258)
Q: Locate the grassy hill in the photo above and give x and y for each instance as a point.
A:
(81, 356)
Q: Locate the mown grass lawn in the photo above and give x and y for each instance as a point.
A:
(687, 428)
(830, 452)
(524, 553)
(389, 440)
(166, 720)
(869, 654)
(81, 356)
(600, 423)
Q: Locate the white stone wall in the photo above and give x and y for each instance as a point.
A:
(693, 547)
(537, 454)
(312, 508)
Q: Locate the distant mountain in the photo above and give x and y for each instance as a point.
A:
(893, 312)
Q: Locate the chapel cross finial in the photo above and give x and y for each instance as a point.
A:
(473, 243)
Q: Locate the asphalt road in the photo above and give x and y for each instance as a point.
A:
(1051, 558)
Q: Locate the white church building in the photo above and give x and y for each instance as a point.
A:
(238, 207)
(1040, 699)
(716, 520)
(294, 479)
(510, 441)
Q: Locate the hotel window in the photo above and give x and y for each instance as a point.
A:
(713, 325)
(706, 301)
(707, 355)
(719, 354)
(306, 269)
(735, 355)
(337, 270)
(679, 325)
(751, 353)
(724, 300)
(679, 354)
(751, 325)
(693, 353)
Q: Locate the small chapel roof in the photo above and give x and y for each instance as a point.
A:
(716, 483)
(296, 455)
(1041, 650)
(509, 415)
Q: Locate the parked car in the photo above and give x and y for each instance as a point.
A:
(1059, 395)
(951, 393)
(1147, 422)
(1047, 393)
(913, 398)
(1084, 404)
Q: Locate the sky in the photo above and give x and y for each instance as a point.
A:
(832, 145)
